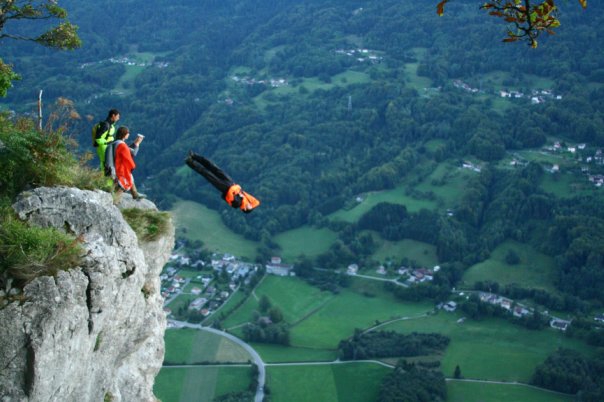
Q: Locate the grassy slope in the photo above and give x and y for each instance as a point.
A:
(475, 392)
(202, 223)
(305, 240)
(490, 349)
(534, 270)
(356, 382)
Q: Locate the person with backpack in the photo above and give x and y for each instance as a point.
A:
(103, 133)
(123, 163)
(231, 192)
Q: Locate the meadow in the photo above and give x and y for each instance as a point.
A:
(446, 181)
(319, 320)
(491, 349)
(395, 196)
(462, 391)
(353, 382)
(199, 384)
(197, 222)
(191, 346)
(294, 297)
(535, 270)
(306, 241)
(423, 254)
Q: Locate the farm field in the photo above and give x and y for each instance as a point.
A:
(202, 223)
(354, 382)
(293, 296)
(446, 182)
(315, 242)
(395, 196)
(321, 319)
(339, 317)
(190, 346)
(476, 346)
(423, 254)
(461, 391)
(199, 384)
(567, 185)
(535, 270)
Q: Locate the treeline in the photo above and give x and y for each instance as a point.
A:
(411, 383)
(572, 373)
(378, 344)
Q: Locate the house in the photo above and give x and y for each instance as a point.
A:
(381, 270)
(275, 267)
(599, 318)
(352, 269)
(196, 291)
(520, 311)
(557, 323)
(198, 303)
(224, 294)
(450, 306)
(505, 303)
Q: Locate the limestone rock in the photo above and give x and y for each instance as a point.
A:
(94, 331)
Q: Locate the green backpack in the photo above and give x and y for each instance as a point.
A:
(95, 132)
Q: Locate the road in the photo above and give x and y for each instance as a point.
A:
(255, 356)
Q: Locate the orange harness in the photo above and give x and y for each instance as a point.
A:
(248, 202)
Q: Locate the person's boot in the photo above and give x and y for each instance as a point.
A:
(135, 194)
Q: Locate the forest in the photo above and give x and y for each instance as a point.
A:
(378, 344)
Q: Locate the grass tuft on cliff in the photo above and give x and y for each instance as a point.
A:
(31, 158)
(27, 252)
(147, 224)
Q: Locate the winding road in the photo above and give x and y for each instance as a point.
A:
(255, 356)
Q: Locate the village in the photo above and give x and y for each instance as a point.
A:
(272, 82)
(536, 96)
(580, 154)
(361, 55)
(209, 286)
(125, 60)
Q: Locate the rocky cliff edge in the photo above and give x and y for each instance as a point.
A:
(95, 332)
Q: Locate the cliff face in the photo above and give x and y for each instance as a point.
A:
(95, 332)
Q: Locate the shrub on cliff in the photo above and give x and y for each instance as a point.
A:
(29, 158)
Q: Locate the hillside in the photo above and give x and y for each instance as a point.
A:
(314, 105)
